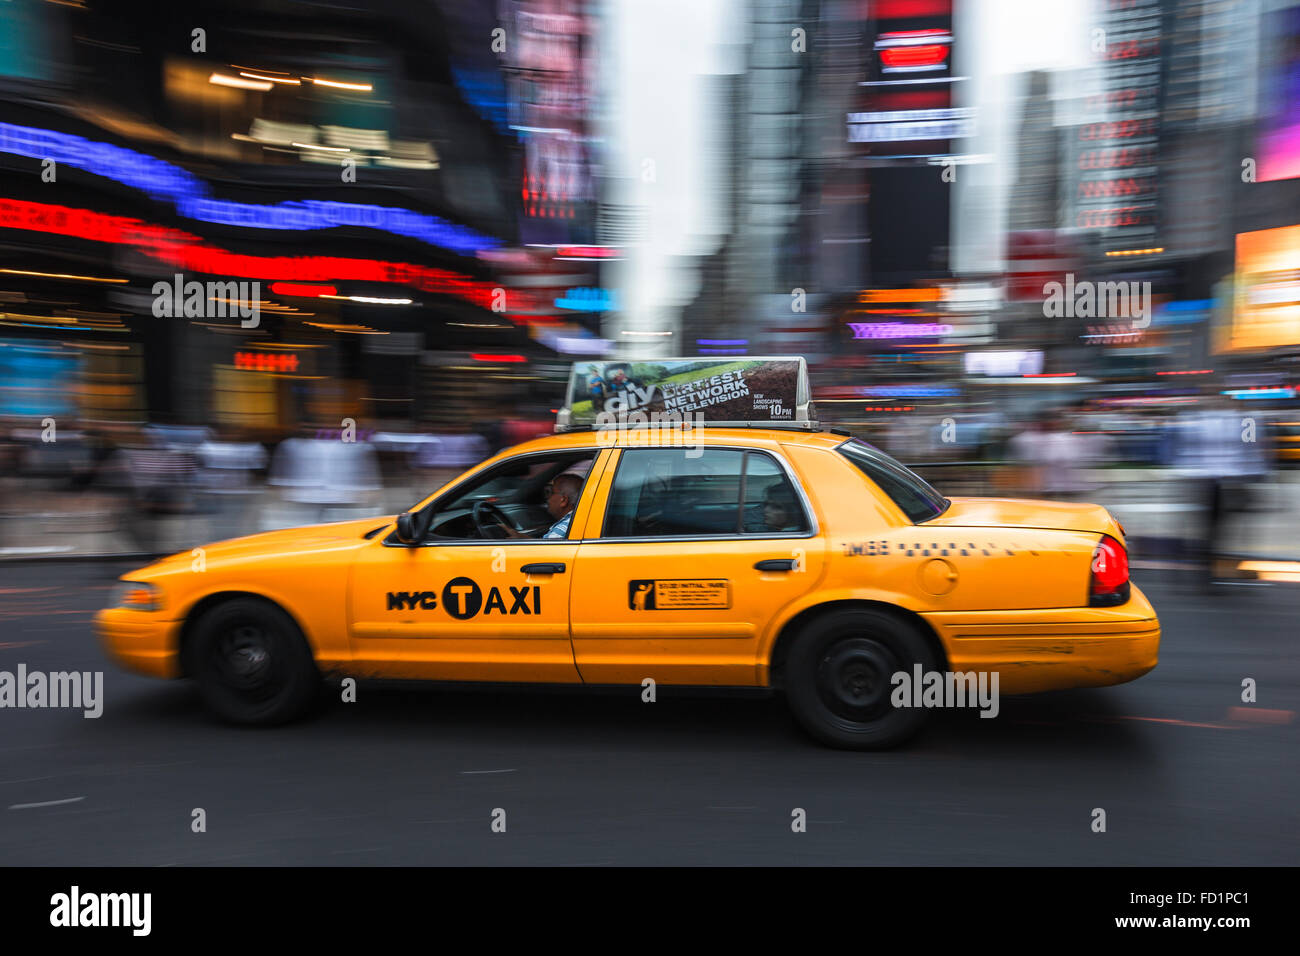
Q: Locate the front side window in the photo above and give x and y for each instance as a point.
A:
(662, 492)
(530, 497)
(914, 497)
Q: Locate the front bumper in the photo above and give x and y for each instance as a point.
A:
(140, 641)
(1053, 649)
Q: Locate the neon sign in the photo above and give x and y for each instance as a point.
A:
(899, 330)
(188, 252)
(896, 126)
(192, 198)
(303, 289)
(266, 362)
(587, 300)
(913, 51)
(908, 391)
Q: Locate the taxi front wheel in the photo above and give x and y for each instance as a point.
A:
(251, 663)
(838, 679)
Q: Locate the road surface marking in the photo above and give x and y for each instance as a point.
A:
(1181, 723)
(44, 803)
(1260, 715)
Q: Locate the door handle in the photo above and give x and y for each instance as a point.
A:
(776, 564)
(543, 569)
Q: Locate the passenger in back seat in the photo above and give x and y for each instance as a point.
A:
(780, 510)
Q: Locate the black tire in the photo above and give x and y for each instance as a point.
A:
(837, 678)
(252, 663)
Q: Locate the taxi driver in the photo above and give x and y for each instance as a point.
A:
(561, 498)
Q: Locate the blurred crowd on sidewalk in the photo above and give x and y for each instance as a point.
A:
(104, 487)
(1198, 483)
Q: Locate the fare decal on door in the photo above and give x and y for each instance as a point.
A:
(678, 594)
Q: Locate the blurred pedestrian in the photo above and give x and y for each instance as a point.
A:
(1222, 454)
(457, 448)
(1028, 449)
(228, 480)
(1054, 457)
(156, 480)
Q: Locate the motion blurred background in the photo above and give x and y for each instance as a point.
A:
(444, 204)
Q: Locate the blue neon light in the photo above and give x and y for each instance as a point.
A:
(907, 391)
(38, 380)
(166, 181)
(587, 300)
(1185, 312)
(1252, 394)
(484, 91)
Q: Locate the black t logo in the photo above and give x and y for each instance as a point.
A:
(462, 598)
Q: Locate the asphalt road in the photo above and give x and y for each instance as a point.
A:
(412, 774)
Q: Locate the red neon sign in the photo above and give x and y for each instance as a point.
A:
(929, 54)
(302, 289)
(182, 250)
(587, 252)
(899, 9)
(266, 361)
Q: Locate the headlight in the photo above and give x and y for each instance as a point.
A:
(136, 595)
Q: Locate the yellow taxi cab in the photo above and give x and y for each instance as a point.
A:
(1287, 438)
(728, 541)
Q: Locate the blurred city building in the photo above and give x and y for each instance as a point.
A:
(309, 219)
(400, 191)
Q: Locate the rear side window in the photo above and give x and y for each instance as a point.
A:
(723, 491)
(770, 504)
(905, 488)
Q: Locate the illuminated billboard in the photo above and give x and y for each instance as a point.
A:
(1004, 364)
(1266, 302)
(909, 108)
(1279, 136)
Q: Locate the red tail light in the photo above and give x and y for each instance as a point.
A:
(1109, 585)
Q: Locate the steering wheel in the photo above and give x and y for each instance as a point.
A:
(483, 509)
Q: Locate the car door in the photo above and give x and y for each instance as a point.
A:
(679, 573)
(468, 609)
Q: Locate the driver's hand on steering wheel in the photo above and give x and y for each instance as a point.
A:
(510, 531)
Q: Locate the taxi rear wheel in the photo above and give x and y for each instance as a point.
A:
(252, 664)
(838, 678)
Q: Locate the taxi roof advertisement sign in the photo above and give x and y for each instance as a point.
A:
(745, 390)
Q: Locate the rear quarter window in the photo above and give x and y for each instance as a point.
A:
(913, 495)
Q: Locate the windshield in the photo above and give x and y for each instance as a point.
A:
(905, 488)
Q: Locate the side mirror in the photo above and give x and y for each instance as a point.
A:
(406, 528)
